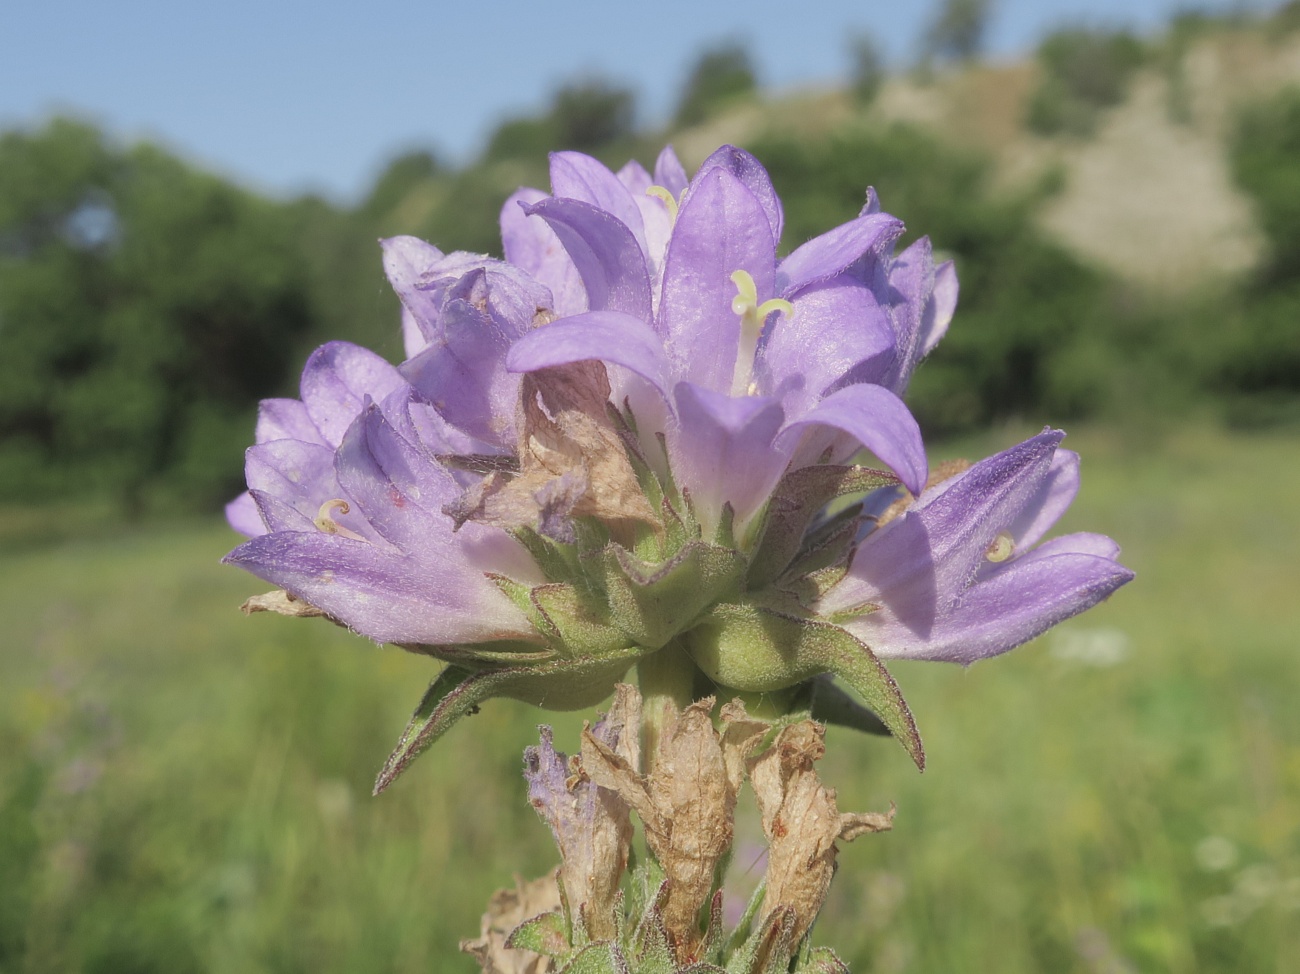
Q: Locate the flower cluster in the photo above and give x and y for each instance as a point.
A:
(632, 442)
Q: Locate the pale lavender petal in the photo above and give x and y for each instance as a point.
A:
(1056, 493)
(723, 450)
(751, 173)
(838, 328)
(533, 247)
(285, 419)
(243, 516)
(939, 309)
(577, 176)
(382, 593)
(824, 257)
(464, 375)
(405, 260)
(510, 296)
(654, 215)
(911, 279)
(872, 205)
(609, 259)
(669, 172)
(279, 516)
(877, 419)
(721, 229)
(916, 565)
(413, 338)
(337, 378)
(606, 335)
(1025, 598)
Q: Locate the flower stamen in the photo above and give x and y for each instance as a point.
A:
(752, 316)
(1001, 548)
(324, 519)
(669, 200)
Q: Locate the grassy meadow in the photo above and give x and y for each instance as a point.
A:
(183, 789)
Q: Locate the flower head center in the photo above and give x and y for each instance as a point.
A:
(752, 315)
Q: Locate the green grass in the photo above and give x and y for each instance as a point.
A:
(184, 789)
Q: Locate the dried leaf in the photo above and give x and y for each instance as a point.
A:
(507, 909)
(281, 603)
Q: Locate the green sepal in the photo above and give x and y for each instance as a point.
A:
(827, 702)
(714, 934)
(486, 655)
(779, 533)
(756, 648)
(653, 603)
(543, 934)
(742, 931)
(564, 684)
(822, 960)
(827, 551)
(578, 626)
(768, 949)
(597, 958)
(558, 562)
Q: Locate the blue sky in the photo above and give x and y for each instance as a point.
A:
(289, 96)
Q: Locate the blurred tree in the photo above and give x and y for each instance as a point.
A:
(1084, 70)
(957, 31)
(721, 75)
(144, 308)
(593, 113)
(866, 68)
(399, 177)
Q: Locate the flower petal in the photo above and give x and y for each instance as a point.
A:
(838, 330)
(381, 593)
(243, 516)
(605, 335)
(405, 261)
(669, 172)
(1024, 599)
(609, 259)
(877, 419)
(285, 419)
(939, 309)
(721, 228)
(751, 173)
(533, 247)
(723, 450)
(577, 176)
(821, 258)
(337, 378)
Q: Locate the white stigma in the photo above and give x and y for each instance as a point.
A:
(752, 315)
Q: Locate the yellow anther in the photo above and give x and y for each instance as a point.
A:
(665, 194)
(752, 315)
(1001, 548)
(324, 519)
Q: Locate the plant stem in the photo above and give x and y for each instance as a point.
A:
(666, 678)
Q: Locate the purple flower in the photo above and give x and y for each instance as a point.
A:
(634, 433)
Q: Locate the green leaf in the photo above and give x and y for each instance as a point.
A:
(828, 703)
(795, 502)
(543, 934)
(565, 684)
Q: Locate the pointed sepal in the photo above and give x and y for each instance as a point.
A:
(544, 934)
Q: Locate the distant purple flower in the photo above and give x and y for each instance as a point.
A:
(627, 435)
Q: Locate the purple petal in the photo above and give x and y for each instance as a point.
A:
(298, 474)
(285, 419)
(654, 214)
(381, 593)
(911, 279)
(723, 450)
(918, 564)
(609, 259)
(749, 171)
(243, 516)
(877, 419)
(464, 375)
(533, 247)
(606, 335)
(279, 516)
(837, 327)
(508, 295)
(405, 261)
(337, 378)
(669, 172)
(1056, 493)
(721, 228)
(824, 257)
(939, 309)
(1024, 599)
(577, 176)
